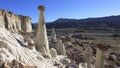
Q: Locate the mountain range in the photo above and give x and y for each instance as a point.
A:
(88, 23)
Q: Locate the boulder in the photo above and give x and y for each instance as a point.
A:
(29, 42)
(53, 53)
(65, 61)
(60, 48)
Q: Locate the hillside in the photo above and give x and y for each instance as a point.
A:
(89, 23)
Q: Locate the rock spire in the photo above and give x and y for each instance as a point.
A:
(42, 39)
(53, 35)
(101, 49)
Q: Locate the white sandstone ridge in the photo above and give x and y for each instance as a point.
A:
(15, 22)
(12, 47)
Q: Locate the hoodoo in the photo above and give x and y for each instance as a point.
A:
(53, 34)
(42, 39)
(101, 49)
(88, 54)
(60, 48)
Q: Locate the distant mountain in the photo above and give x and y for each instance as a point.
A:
(89, 23)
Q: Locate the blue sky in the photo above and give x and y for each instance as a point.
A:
(63, 8)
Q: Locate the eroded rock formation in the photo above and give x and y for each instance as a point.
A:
(2, 21)
(60, 48)
(13, 48)
(53, 35)
(42, 39)
(53, 53)
(26, 23)
(100, 56)
(88, 54)
(15, 22)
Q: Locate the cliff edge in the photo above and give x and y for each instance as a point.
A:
(15, 22)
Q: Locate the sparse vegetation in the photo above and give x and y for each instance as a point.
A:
(109, 37)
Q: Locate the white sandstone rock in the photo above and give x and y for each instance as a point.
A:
(16, 50)
(60, 48)
(53, 53)
(42, 39)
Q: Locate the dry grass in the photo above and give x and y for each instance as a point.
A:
(96, 36)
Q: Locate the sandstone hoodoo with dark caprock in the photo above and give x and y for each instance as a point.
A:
(42, 39)
(101, 49)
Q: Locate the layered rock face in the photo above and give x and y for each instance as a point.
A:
(15, 22)
(12, 47)
(26, 23)
(2, 22)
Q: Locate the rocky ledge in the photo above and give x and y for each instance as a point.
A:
(15, 22)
